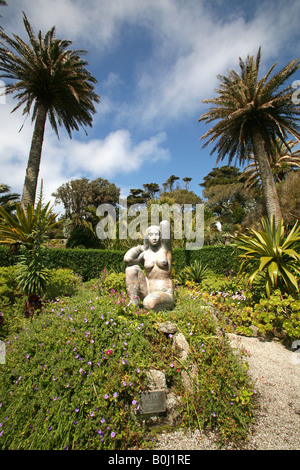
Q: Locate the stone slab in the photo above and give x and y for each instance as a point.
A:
(152, 402)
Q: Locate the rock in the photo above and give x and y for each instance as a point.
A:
(255, 331)
(180, 346)
(167, 327)
(173, 409)
(190, 378)
(156, 380)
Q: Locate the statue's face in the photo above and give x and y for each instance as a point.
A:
(153, 236)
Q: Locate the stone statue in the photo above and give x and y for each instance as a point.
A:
(156, 289)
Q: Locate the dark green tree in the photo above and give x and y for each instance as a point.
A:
(77, 195)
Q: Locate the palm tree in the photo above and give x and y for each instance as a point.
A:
(251, 113)
(54, 81)
(282, 161)
(7, 199)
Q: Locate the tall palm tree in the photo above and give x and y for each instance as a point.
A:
(54, 81)
(251, 113)
(282, 161)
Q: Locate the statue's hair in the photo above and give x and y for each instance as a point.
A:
(164, 235)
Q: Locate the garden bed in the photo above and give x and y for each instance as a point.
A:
(75, 371)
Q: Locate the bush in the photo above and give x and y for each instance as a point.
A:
(62, 282)
(8, 285)
(90, 263)
(279, 315)
(82, 237)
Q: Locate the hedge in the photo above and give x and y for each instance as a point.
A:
(90, 263)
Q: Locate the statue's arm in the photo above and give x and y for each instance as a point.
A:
(134, 255)
(169, 258)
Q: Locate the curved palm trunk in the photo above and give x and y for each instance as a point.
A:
(267, 180)
(33, 165)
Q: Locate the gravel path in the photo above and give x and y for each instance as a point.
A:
(277, 373)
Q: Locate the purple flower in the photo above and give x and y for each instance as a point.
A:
(92, 414)
(50, 427)
(102, 421)
(134, 402)
(113, 434)
(106, 397)
(115, 395)
(76, 409)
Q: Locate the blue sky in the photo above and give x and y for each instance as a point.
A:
(155, 61)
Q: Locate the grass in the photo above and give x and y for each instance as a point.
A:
(74, 373)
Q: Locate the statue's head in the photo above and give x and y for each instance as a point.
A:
(153, 234)
(157, 235)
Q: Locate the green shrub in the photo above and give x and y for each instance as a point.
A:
(82, 237)
(8, 285)
(90, 263)
(62, 282)
(280, 314)
(115, 282)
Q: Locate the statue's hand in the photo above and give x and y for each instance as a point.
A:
(134, 256)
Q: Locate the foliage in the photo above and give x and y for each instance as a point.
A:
(250, 112)
(53, 81)
(282, 162)
(62, 282)
(76, 195)
(7, 199)
(8, 285)
(82, 237)
(196, 273)
(90, 263)
(32, 276)
(74, 374)
(22, 228)
(289, 198)
(279, 315)
(272, 254)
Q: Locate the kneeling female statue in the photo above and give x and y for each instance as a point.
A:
(156, 289)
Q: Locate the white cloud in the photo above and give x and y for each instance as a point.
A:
(188, 48)
(65, 159)
(190, 45)
(197, 47)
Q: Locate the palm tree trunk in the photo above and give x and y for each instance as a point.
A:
(267, 179)
(33, 165)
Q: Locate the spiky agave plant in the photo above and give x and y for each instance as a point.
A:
(272, 254)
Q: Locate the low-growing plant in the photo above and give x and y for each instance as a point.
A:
(279, 315)
(196, 272)
(74, 375)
